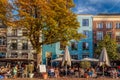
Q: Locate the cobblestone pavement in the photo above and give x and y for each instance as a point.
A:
(65, 78)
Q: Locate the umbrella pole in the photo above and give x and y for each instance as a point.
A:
(66, 69)
(103, 70)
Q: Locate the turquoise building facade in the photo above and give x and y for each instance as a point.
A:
(78, 49)
(51, 51)
(85, 46)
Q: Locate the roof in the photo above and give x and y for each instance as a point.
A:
(109, 14)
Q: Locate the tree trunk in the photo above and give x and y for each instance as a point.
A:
(39, 56)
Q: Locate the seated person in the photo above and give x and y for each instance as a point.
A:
(51, 72)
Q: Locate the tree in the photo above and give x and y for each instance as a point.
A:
(85, 64)
(48, 21)
(110, 45)
(5, 12)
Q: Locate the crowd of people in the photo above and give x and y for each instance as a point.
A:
(84, 73)
(16, 71)
(13, 71)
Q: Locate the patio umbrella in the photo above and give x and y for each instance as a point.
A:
(104, 60)
(66, 60)
(60, 59)
(90, 59)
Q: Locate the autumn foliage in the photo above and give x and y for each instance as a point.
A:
(47, 21)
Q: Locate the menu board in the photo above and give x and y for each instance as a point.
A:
(42, 68)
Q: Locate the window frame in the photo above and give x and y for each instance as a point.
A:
(100, 25)
(74, 45)
(99, 37)
(2, 40)
(85, 46)
(86, 33)
(109, 25)
(118, 25)
(24, 44)
(85, 22)
(14, 44)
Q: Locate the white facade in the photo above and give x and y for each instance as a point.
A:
(18, 45)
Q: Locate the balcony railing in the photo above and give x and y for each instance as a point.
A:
(20, 56)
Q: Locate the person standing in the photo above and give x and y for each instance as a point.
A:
(15, 70)
(56, 72)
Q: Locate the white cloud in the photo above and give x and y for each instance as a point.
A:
(96, 6)
(85, 10)
(103, 1)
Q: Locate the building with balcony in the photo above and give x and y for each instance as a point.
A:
(18, 45)
(106, 24)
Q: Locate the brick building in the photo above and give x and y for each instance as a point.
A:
(106, 24)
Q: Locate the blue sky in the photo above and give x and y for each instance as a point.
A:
(96, 6)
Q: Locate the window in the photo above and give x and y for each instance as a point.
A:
(95, 44)
(34, 55)
(118, 36)
(2, 25)
(85, 22)
(62, 46)
(100, 25)
(86, 33)
(109, 25)
(118, 25)
(14, 44)
(2, 40)
(74, 56)
(14, 55)
(2, 55)
(110, 34)
(85, 46)
(99, 35)
(24, 32)
(14, 32)
(85, 55)
(24, 55)
(74, 45)
(118, 49)
(25, 44)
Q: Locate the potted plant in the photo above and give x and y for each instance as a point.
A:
(85, 64)
(45, 75)
(30, 70)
